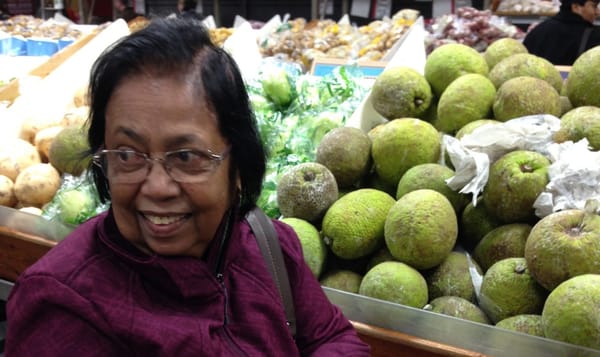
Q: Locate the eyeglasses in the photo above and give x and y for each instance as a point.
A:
(184, 166)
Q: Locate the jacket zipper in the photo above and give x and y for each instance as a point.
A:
(226, 331)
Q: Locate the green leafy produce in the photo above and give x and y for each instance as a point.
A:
(276, 85)
(292, 132)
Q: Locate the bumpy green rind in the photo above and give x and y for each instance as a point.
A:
(458, 307)
(572, 311)
(306, 191)
(579, 123)
(468, 98)
(582, 83)
(454, 277)
(314, 249)
(515, 181)
(508, 289)
(401, 92)
(421, 228)
(502, 48)
(475, 222)
(563, 245)
(432, 176)
(402, 144)
(395, 282)
(345, 280)
(506, 241)
(527, 323)
(353, 225)
(450, 61)
(525, 64)
(346, 152)
(522, 96)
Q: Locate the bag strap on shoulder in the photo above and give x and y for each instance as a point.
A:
(268, 242)
(584, 40)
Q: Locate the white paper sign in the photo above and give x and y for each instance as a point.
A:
(360, 8)
(326, 7)
(383, 8)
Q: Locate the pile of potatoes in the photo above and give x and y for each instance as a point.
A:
(28, 180)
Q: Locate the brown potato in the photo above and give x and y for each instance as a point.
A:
(15, 156)
(37, 185)
(7, 193)
(43, 140)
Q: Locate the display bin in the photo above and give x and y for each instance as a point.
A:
(442, 335)
(24, 238)
(390, 329)
(10, 91)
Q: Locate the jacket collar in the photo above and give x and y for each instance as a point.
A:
(570, 17)
(186, 277)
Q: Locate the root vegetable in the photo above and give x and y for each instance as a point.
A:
(37, 122)
(76, 116)
(15, 156)
(80, 98)
(43, 140)
(7, 193)
(37, 185)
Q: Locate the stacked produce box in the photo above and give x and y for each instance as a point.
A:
(29, 36)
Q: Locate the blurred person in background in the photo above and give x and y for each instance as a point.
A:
(124, 10)
(4, 15)
(563, 37)
(187, 9)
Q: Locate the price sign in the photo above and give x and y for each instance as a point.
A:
(324, 66)
(383, 8)
(360, 8)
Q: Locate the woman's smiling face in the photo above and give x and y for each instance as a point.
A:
(155, 115)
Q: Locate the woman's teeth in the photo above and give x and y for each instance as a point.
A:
(163, 219)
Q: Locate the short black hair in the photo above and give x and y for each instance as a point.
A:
(565, 5)
(189, 5)
(183, 47)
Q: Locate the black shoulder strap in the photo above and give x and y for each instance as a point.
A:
(268, 242)
(584, 40)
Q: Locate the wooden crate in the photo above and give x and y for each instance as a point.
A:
(388, 343)
(18, 251)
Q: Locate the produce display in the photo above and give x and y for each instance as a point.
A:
(39, 169)
(401, 232)
(471, 27)
(294, 111)
(45, 138)
(478, 198)
(25, 35)
(526, 7)
(29, 26)
(300, 41)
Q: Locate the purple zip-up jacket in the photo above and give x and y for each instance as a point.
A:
(95, 294)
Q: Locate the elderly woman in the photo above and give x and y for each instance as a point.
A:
(173, 268)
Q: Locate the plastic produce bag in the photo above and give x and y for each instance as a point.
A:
(574, 178)
(75, 201)
(473, 155)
